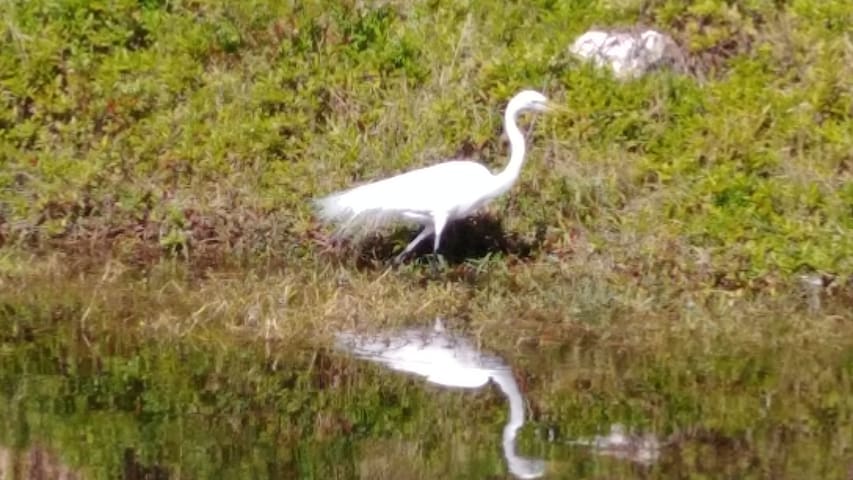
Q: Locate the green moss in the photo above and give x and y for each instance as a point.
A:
(267, 105)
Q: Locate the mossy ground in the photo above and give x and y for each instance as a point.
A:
(149, 128)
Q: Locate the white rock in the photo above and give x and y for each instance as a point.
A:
(629, 54)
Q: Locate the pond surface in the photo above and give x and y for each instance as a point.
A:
(417, 402)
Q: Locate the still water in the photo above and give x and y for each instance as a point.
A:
(419, 402)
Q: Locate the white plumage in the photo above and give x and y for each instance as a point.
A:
(431, 196)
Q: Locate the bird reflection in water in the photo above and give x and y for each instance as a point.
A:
(449, 360)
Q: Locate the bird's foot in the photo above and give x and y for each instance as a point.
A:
(437, 262)
(441, 261)
(398, 260)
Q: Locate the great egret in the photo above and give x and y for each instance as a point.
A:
(449, 360)
(432, 196)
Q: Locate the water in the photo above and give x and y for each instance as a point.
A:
(416, 402)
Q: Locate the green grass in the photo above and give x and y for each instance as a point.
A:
(204, 129)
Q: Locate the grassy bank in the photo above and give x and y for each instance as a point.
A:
(194, 129)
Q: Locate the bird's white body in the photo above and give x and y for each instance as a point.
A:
(434, 195)
(465, 186)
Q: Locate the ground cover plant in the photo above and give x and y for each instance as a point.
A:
(183, 127)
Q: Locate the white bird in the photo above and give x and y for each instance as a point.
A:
(449, 360)
(432, 196)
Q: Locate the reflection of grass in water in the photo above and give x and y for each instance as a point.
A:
(225, 368)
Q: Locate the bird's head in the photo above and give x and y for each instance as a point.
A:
(529, 100)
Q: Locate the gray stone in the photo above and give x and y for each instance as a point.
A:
(629, 53)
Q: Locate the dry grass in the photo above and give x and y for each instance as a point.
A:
(557, 301)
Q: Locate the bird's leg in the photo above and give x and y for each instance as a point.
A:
(437, 263)
(427, 231)
(439, 222)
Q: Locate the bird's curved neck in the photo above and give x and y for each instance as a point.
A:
(517, 148)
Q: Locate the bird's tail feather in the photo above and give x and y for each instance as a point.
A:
(353, 217)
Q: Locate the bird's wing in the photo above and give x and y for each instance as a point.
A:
(419, 191)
